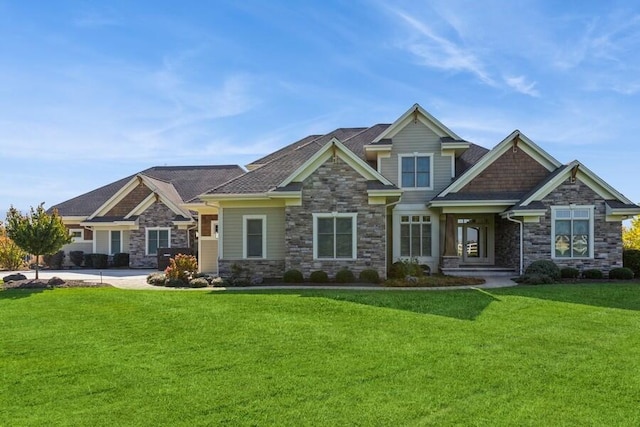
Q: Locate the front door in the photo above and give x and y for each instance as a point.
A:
(475, 239)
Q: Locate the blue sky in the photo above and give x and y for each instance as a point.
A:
(91, 92)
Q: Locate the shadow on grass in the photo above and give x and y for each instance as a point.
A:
(19, 293)
(622, 295)
(463, 304)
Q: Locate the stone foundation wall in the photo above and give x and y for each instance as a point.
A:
(263, 268)
(157, 215)
(607, 253)
(335, 187)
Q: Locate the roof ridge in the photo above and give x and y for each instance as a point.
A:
(228, 166)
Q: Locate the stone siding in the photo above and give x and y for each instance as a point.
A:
(608, 235)
(335, 187)
(513, 171)
(507, 243)
(157, 215)
(262, 268)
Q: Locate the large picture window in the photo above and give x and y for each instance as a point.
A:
(415, 236)
(158, 238)
(572, 232)
(415, 171)
(334, 236)
(255, 236)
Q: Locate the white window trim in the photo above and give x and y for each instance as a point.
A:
(111, 251)
(401, 156)
(78, 239)
(245, 218)
(354, 236)
(591, 209)
(430, 222)
(146, 240)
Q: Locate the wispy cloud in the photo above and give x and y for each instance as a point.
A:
(520, 84)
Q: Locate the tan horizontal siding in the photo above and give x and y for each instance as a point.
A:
(232, 231)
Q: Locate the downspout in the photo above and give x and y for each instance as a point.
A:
(521, 240)
(386, 252)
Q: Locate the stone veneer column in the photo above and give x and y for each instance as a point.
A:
(335, 187)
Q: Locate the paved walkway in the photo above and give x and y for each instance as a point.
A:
(136, 279)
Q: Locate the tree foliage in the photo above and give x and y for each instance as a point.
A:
(631, 235)
(11, 256)
(37, 233)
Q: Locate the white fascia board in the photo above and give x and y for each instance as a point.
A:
(417, 112)
(322, 155)
(444, 203)
(524, 213)
(285, 194)
(377, 147)
(385, 193)
(233, 196)
(528, 147)
(119, 195)
(73, 219)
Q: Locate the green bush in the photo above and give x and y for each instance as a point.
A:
(569, 273)
(121, 260)
(156, 279)
(402, 269)
(592, 273)
(345, 276)
(174, 283)
(369, 276)
(318, 276)
(88, 260)
(76, 257)
(293, 276)
(54, 261)
(536, 279)
(621, 273)
(631, 259)
(100, 261)
(198, 282)
(11, 256)
(544, 268)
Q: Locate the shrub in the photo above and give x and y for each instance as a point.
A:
(369, 276)
(345, 276)
(88, 260)
(631, 259)
(318, 276)
(54, 261)
(55, 281)
(592, 273)
(182, 267)
(11, 256)
(76, 257)
(536, 279)
(174, 283)
(545, 268)
(402, 269)
(293, 276)
(569, 273)
(621, 273)
(100, 261)
(198, 282)
(156, 279)
(121, 260)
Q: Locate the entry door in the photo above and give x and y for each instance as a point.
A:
(475, 240)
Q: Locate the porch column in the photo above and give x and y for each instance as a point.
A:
(450, 236)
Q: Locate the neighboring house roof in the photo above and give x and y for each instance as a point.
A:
(177, 183)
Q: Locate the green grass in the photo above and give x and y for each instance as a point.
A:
(546, 355)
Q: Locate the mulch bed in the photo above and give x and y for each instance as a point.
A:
(43, 284)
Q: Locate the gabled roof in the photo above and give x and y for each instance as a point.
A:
(416, 112)
(515, 139)
(186, 181)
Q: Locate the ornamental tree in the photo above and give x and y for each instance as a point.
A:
(38, 233)
(631, 235)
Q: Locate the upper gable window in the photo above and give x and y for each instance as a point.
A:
(572, 230)
(416, 171)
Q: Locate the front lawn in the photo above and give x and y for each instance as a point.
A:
(547, 355)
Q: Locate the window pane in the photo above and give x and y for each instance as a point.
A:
(325, 245)
(325, 225)
(581, 213)
(405, 242)
(254, 226)
(344, 225)
(426, 240)
(115, 242)
(408, 172)
(423, 164)
(580, 238)
(152, 244)
(415, 240)
(563, 213)
(562, 240)
(163, 239)
(404, 218)
(344, 246)
(254, 246)
(408, 164)
(423, 179)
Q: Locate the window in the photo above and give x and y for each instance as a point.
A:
(572, 232)
(214, 230)
(415, 236)
(158, 238)
(334, 236)
(77, 234)
(415, 171)
(255, 236)
(115, 242)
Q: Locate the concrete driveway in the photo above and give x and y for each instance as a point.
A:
(120, 278)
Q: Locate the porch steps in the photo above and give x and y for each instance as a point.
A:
(480, 272)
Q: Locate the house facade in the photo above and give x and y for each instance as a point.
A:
(141, 213)
(363, 198)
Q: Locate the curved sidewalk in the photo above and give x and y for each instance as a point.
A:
(136, 280)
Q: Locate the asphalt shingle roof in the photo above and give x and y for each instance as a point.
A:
(187, 182)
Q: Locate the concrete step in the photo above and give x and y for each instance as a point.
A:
(480, 272)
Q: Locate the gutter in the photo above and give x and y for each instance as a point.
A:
(521, 240)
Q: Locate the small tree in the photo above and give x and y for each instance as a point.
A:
(38, 233)
(631, 235)
(11, 256)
